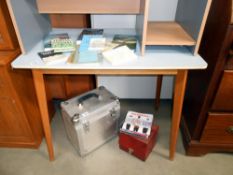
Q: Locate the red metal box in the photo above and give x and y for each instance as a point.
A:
(139, 147)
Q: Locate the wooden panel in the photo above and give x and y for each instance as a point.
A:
(76, 85)
(27, 99)
(141, 23)
(20, 117)
(231, 12)
(229, 64)
(218, 129)
(89, 6)
(167, 33)
(196, 148)
(70, 20)
(192, 16)
(67, 86)
(224, 97)
(23, 13)
(13, 124)
(3, 84)
(8, 40)
(55, 87)
(6, 58)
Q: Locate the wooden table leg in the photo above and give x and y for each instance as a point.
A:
(38, 79)
(179, 92)
(158, 90)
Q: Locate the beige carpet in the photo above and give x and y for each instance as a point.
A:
(109, 159)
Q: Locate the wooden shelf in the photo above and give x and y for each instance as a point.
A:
(89, 6)
(167, 33)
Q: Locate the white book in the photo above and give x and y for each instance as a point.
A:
(119, 55)
(97, 44)
(56, 59)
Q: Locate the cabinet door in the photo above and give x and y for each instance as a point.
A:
(13, 124)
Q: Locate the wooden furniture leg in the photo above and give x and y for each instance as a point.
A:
(179, 91)
(38, 79)
(158, 90)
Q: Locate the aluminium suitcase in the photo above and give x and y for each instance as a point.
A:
(91, 119)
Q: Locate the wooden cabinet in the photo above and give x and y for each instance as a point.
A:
(20, 123)
(207, 123)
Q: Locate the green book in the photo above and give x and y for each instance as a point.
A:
(59, 42)
(128, 40)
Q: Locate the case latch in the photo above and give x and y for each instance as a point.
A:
(75, 118)
(86, 126)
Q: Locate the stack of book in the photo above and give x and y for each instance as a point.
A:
(137, 124)
(57, 48)
(92, 47)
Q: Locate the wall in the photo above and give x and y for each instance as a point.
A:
(137, 87)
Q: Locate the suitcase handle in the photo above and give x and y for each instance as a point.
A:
(86, 97)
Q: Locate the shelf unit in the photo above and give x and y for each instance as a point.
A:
(185, 31)
(167, 33)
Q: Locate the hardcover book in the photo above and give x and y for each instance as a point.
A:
(62, 45)
(50, 57)
(85, 57)
(90, 32)
(128, 40)
(59, 43)
(86, 41)
(47, 40)
(119, 55)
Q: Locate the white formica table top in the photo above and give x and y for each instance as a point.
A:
(156, 57)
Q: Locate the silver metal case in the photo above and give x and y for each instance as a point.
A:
(91, 119)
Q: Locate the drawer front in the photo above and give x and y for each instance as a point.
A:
(218, 129)
(224, 97)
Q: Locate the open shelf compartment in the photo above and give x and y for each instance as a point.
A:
(186, 30)
(167, 33)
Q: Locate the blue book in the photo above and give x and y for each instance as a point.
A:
(88, 57)
(83, 54)
(86, 42)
